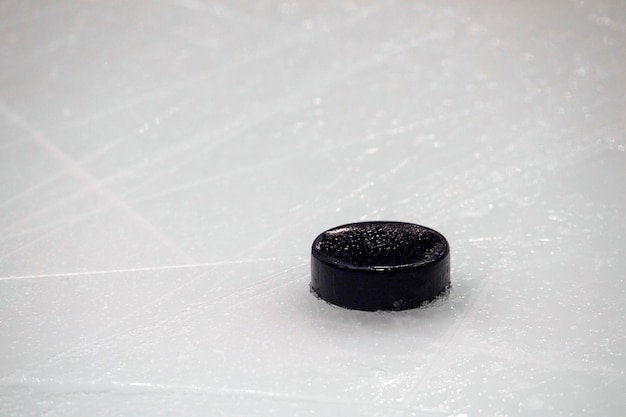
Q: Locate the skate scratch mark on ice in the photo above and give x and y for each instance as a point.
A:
(90, 183)
(59, 175)
(141, 269)
(64, 387)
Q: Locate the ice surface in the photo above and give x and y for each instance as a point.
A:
(165, 167)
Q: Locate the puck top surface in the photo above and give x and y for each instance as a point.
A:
(381, 245)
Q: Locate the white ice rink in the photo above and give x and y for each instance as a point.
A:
(165, 166)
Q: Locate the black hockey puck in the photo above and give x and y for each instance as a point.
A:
(380, 265)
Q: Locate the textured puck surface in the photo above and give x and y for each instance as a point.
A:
(380, 265)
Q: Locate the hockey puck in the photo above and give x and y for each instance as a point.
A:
(380, 265)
